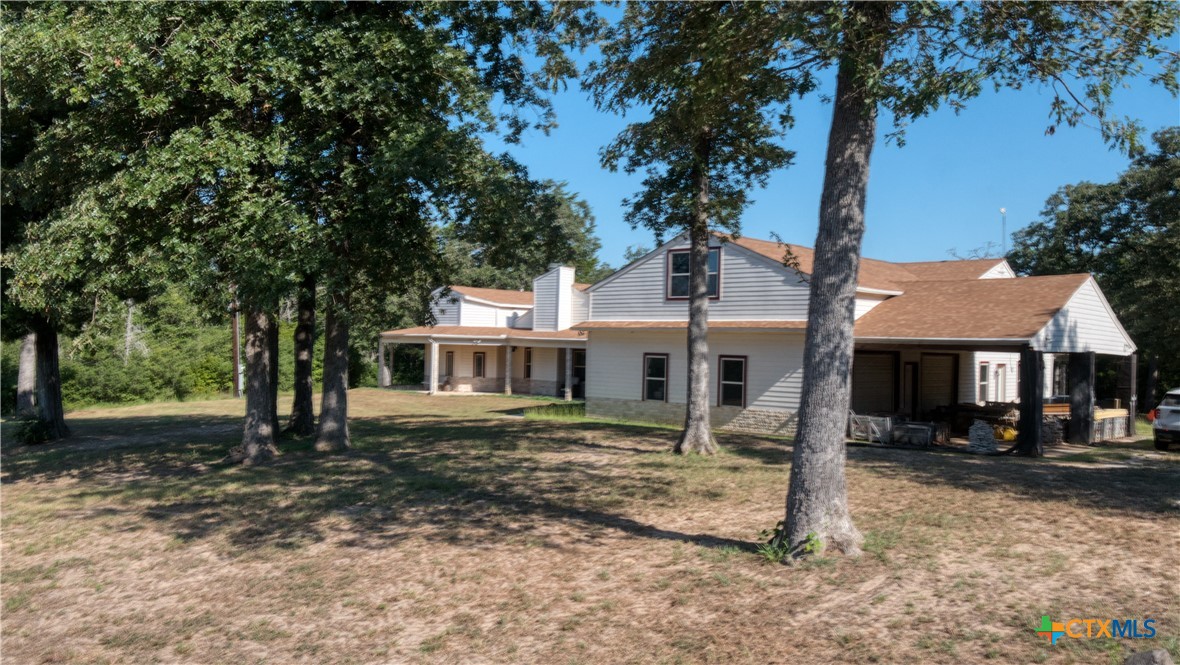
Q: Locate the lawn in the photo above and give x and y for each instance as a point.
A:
(456, 533)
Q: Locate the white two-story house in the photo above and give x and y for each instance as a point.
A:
(927, 335)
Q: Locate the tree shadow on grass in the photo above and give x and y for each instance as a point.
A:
(1146, 486)
(492, 482)
(453, 481)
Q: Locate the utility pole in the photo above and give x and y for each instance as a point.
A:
(1004, 230)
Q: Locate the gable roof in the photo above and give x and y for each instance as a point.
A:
(874, 274)
(999, 309)
(497, 296)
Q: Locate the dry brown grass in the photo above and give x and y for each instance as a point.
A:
(454, 534)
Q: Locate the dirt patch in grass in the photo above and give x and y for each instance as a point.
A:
(453, 534)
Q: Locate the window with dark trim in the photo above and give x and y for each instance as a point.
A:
(528, 363)
(679, 278)
(655, 377)
(449, 367)
(731, 381)
(983, 381)
(478, 362)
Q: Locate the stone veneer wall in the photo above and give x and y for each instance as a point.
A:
(473, 384)
(535, 387)
(758, 421)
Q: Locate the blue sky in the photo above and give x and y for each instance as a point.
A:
(943, 190)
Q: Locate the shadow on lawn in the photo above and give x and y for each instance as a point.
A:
(470, 481)
(485, 482)
(1142, 487)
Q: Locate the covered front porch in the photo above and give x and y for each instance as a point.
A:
(495, 360)
(1040, 395)
(950, 352)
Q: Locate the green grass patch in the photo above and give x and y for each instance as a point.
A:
(556, 411)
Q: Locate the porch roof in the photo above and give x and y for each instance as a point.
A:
(1017, 310)
(483, 333)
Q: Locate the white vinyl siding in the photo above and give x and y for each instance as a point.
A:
(865, 304)
(553, 299)
(1000, 271)
(476, 314)
(1086, 323)
(753, 287)
(969, 375)
(579, 306)
(446, 312)
(774, 374)
(525, 321)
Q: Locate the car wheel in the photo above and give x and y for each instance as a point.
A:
(1160, 445)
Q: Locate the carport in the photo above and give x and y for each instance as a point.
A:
(925, 350)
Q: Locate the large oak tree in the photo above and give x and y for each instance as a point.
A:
(717, 105)
(909, 59)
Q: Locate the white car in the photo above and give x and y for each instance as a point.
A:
(1165, 422)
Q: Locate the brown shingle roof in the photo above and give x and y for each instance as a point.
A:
(874, 274)
(499, 296)
(482, 331)
(971, 309)
(950, 270)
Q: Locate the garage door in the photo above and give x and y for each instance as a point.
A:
(873, 383)
(938, 381)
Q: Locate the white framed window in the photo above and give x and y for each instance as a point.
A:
(1001, 383)
(679, 279)
(655, 377)
(731, 381)
(983, 382)
(478, 364)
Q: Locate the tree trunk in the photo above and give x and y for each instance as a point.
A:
(49, 405)
(258, 437)
(26, 382)
(332, 435)
(302, 421)
(817, 501)
(272, 361)
(697, 436)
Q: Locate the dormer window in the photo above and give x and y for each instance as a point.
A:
(679, 278)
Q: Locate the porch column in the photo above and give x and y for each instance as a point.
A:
(1032, 397)
(508, 369)
(432, 386)
(569, 373)
(1080, 373)
(1127, 388)
(383, 375)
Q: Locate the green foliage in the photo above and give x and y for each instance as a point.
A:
(553, 226)
(718, 107)
(32, 431)
(775, 549)
(1127, 233)
(556, 411)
